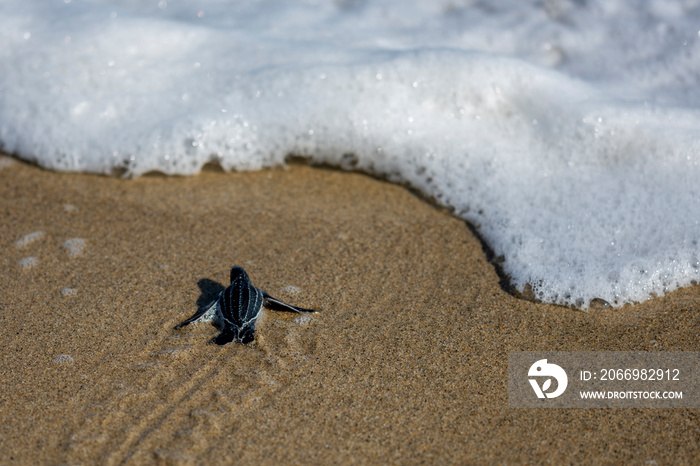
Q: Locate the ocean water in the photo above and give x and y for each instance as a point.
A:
(566, 131)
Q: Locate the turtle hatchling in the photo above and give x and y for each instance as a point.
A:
(237, 309)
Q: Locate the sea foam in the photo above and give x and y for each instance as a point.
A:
(565, 131)
(29, 238)
(75, 246)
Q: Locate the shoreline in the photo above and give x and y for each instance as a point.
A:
(406, 362)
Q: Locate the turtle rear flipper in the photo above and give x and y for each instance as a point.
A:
(246, 335)
(225, 337)
(229, 334)
(277, 305)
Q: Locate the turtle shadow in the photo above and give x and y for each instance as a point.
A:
(210, 291)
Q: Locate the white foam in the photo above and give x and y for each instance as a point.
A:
(75, 246)
(565, 131)
(6, 161)
(303, 319)
(68, 291)
(63, 359)
(29, 238)
(28, 262)
(291, 289)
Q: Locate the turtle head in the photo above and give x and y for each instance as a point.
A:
(238, 272)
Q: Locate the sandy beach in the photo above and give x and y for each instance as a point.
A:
(406, 362)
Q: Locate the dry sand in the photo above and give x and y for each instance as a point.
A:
(406, 363)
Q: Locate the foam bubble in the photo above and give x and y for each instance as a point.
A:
(29, 238)
(75, 246)
(6, 162)
(303, 319)
(68, 291)
(28, 262)
(63, 359)
(291, 289)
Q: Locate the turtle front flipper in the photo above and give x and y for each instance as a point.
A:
(277, 305)
(205, 313)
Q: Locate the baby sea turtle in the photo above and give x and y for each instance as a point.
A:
(237, 309)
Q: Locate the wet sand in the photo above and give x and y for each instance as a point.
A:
(406, 363)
